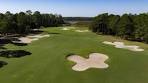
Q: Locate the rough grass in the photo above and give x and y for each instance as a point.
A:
(48, 63)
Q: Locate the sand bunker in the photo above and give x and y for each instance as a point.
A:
(81, 30)
(122, 45)
(38, 36)
(73, 28)
(65, 29)
(29, 39)
(95, 60)
(68, 28)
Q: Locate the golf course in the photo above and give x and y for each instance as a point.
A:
(47, 62)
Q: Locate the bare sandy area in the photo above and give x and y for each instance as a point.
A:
(122, 45)
(81, 30)
(68, 28)
(73, 28)
(65, 29)
(38, 36)
(95, 60)
(31, 38)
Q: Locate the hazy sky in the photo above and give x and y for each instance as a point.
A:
(76, 7)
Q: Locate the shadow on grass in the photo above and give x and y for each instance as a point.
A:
(14, 53)
(10, 38)
(5, 41)
(2, 63)
(70, 54)
(1, 47)
(20, 44)
(36, 32)
(54, 33)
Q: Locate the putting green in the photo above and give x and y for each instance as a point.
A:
(48, 63)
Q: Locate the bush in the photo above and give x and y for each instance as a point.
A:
(14, 53)
(2, 63)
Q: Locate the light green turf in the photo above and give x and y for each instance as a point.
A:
(48, 63)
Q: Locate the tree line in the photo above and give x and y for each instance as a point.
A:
(78, 18)
(23, 22)
(128, 26)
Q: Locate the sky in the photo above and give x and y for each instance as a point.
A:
(76, 8)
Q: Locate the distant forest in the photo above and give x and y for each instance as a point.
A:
(78, 18)
(128, 26)
(78, 21)
(23, 22)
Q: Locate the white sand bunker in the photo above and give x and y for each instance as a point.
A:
(95, 60)
(82, 30)
(67, 28)
(122, 45)
(29, 39)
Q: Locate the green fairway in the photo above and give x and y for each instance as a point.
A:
(48, 63)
